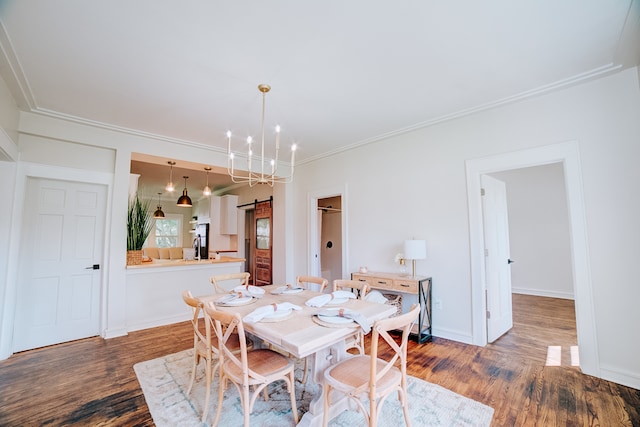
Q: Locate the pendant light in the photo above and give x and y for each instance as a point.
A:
(170, 188)
(184, 200)
(158, 213)
(207, 191)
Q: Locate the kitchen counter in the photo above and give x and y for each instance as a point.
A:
(155, 263)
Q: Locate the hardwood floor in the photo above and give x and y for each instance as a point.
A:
(92, 382)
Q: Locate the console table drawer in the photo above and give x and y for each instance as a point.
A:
(408, 286)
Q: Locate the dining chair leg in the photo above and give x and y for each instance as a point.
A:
(292, 394)
(208, 374)
(326, 390)
(246, 405)
(402, 397)
(305, 372)
(193, 371)
(221, 389)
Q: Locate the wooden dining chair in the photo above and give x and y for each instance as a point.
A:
(247, 369)
(238, 279)
(306, 281)
(205, 347)
(368, 376)
(359, 288)
(356, 286)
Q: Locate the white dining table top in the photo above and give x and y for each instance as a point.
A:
(298, 333)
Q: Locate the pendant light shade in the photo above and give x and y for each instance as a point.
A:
(170, 187)
(207, 191)
(158, 213)
(185, 201)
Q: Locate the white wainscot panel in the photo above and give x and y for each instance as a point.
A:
(154, 295)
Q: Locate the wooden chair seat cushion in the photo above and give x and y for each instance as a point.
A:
(263, 362)
(354, 372)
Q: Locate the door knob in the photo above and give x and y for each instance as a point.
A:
(509, 261)
(93, 267)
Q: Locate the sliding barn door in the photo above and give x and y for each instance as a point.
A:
(262, 259)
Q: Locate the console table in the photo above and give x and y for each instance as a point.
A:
(419, 285)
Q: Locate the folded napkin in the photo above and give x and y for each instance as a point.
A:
(259, 313)
(375, 296)
(254, 291)
(323, 299)
(349, 314)
(283, 289)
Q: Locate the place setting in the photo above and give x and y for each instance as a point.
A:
(272, 313)
(235, 299)
(334, 299)
(287, 290)
(340, 317)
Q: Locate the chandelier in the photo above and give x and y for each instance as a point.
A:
(259, 176)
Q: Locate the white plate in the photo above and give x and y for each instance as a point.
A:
(335, 319)
(278, 314)
(253, 290)
(236, 301)
(285, 290)
(337, 301)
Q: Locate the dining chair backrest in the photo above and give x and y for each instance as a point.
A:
(381, 329)
(199, 335)
(225, 325)
(358, 287)
(305, 281)
(223, 283)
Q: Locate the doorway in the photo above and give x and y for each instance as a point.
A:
(566, 154)
(330, 232)
(336, 255)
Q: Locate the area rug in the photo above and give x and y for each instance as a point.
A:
(164, 382)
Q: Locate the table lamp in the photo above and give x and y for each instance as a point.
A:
(413, 250)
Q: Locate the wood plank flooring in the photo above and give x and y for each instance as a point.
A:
(92, 382)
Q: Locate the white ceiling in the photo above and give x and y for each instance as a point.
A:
(343, 73)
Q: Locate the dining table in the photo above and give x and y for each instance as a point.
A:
(302, 334)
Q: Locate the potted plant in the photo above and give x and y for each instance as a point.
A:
(139, 222)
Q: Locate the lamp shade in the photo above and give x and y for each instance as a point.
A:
(415, 249)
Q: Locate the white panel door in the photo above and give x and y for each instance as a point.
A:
(58, 284)
(497, 262)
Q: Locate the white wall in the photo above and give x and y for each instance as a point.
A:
(539, 231)
(413, 185)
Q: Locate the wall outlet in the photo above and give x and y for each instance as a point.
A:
(438, 304)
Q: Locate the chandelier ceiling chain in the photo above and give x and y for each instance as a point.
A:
(251, 177)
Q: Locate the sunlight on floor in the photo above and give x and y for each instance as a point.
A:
(575, 356)
(554, 355)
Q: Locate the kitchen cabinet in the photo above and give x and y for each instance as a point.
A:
(229, 214)
(203, 210)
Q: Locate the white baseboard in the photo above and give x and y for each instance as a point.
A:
(452, 335)
(628, 379)
(542, 293)
(113, 333)
(159, 322)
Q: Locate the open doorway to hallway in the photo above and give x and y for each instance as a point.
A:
(541, 274)
(330, 232)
